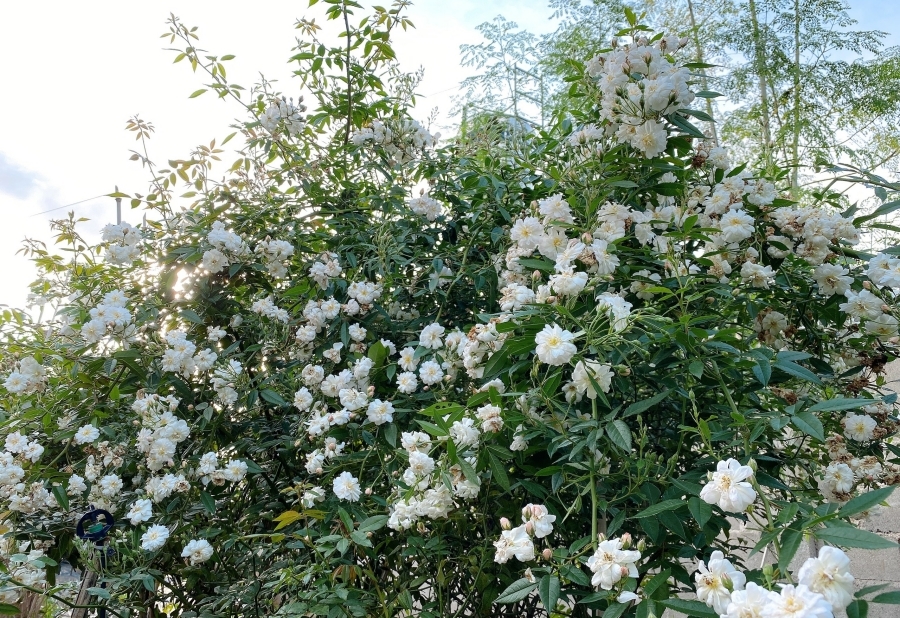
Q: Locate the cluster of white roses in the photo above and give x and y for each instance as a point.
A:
(324, 269)
(266, 307)
(180, 357)
(26, 565)
(639, 85)
(124, 243)
(402, 139)
(161, 431)
(28, 376)
(283, 114)
(20, 452)
(227, 247)
(224, 380)
(849, 473)
(824, 586)
(423, 493)
(426, 206)
(110, 318)
(275, 254)
(537, 523)
(814, 229)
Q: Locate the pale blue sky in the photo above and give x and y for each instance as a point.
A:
(73, 73)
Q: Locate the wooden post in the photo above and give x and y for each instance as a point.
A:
(84, 597)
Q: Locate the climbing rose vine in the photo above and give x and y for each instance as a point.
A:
(519, 372)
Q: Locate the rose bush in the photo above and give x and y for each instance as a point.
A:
(530, 372)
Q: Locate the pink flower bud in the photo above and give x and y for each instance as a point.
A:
(626, 540)
(867, 285)
(505, 524)
(368, 491)
(547, 554)
(529, 527)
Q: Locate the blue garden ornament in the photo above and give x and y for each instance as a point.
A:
(95, 525)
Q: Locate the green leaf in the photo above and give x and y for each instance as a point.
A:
(548, 589)
(432, 428)
(497, 362)
(59, 492)
(613, 611)
(656, 509)
(841, 403)
(197, 93)
(360, 538)
(790, 543)
(691, 608)
(272, 397)
(865, 501)
(858, 609)
(696, 369)
(762, 370)
(685, 126)
(808, 423)
(854, 537)
(516, 591)
(796, 370)
(208, 502)
(498, 471)
(888, 598)
(376, 522)
(390, 434)
(191, 316)
(882, 210)
(441, 408)
(620, 434)
(640, 406)
(97, 591)
(700, 510)
(378, 353)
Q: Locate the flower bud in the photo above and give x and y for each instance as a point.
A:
(885, 309)
(370, 391)
(547, 554)
(368, 491)
(536, 275)
(867, 285)
(505, 524)
(626, 540)
(601, 537)
(752, 464)
(624, 571)
(529, 527)
(641, 545)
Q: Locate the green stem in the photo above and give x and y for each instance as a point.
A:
(594, 485)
